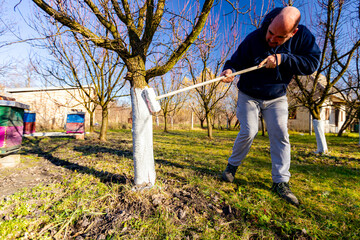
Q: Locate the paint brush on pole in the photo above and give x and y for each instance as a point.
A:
(152, 100)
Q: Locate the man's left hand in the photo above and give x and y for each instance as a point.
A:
(270, 61)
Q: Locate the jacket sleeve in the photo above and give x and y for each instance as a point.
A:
(306, 57)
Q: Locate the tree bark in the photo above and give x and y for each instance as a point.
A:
(202, 123)
(142, 132)
(209, 126)
(104, 123)
(91, 122)
(262, 126)
(165, 123)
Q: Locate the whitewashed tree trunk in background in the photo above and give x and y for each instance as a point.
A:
(310, 124)
(172, 122)
(157, 120)
(142, 132)
(320, 136)
(192, 120)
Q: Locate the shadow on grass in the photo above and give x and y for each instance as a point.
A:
(204, 170)
(326, 170)
(211, 173)
(104, 176)
(91, 149)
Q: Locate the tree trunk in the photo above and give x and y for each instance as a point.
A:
(310, 124)
(165, 123)
(142, 132)
(359, 132)
(348, 120)
(202, 123)
(228, 123)
(262, 126)
(157, 121)
(91, 122)
(320, 136)
(192, 120)
(209, 126)
(319, 130)
(104, 123)
(237, 123)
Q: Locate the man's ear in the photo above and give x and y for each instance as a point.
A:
(293, 33)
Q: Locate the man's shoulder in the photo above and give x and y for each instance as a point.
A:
(303, 29)
(256, 34)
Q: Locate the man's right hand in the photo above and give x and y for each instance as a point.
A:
(226, 73)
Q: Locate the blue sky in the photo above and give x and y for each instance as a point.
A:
(20, 52)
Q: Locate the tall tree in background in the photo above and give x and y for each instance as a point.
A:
(135, 31)
(204, 64)
(229, 105)
(349, 88)
(82, 65)
(197, 108)
(337, 21)
(172, 104)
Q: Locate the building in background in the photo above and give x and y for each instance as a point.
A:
(333, 111)
(52, 104)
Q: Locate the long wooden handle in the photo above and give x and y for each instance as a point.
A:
(208, 82)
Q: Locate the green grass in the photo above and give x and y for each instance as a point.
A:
(94, 199)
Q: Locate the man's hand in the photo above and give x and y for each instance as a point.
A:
(270, 61)
(226, 73)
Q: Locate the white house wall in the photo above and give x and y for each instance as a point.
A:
(301, 123)
(51, 107)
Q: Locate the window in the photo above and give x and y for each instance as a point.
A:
(327, 113)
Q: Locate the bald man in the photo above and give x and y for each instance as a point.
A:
(286, 49)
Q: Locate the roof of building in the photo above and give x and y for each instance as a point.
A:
(41, 89)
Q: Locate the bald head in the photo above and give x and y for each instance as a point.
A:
(288, 19)
(283, 27)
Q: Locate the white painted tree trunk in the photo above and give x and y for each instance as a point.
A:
(142, 132)
(320, 136)
(192, 120)
(157, 120)
(310, 124)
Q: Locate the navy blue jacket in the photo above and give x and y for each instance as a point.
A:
(300, 55)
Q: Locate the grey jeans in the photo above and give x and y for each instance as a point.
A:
(275, 113)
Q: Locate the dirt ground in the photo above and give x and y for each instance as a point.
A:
(27, 174)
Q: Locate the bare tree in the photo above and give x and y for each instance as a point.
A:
(80, 64)
(203, 64)
(197, 109)
(335, 19)
(172, 104)
(136, 29)
(349, 88)
(228, 105)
